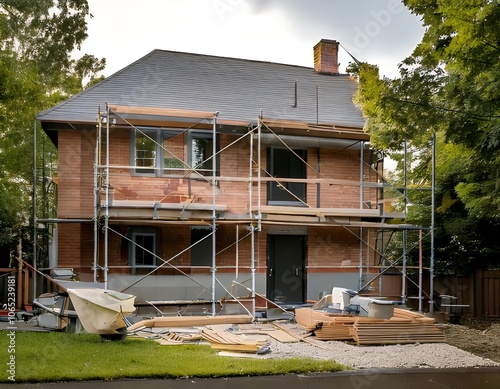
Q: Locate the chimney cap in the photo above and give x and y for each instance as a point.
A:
(327, 41)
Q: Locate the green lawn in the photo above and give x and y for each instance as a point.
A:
(57, 356)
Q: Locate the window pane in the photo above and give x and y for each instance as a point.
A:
(145, 152)
(143, 243)
(201, 150)
(173, 154)
(284, 164)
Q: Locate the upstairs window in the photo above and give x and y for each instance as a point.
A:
(145, 154)
(162, 152)
(284, 163)
(201, 152)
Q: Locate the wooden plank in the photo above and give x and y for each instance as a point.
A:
(299, 335)
(396, 332)
(246, 348)
(280, 336)
(238, 355)
(192, 321)
(123, 109)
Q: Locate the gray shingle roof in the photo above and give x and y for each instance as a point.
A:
(238, 89)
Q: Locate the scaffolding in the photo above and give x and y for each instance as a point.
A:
(363, 222)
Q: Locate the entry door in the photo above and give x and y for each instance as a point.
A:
(286, 269)
(283, 164)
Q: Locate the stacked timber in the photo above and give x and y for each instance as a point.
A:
(404, 327)
(413, 316)
(339, 327)
(394, 332)
(225, 341)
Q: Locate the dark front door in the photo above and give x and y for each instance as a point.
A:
(283, 164)
(286, 269)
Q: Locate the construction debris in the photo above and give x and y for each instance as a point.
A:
(403, 327)
(222, 334)
(342, 316)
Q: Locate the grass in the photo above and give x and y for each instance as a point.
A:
(59, 356)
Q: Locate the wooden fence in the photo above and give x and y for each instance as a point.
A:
(480, 291)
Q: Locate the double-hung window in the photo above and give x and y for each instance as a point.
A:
(145, 153)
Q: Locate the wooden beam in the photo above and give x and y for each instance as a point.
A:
(167, 112)
(190, 321)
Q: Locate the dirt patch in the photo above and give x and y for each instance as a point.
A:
(479, 337)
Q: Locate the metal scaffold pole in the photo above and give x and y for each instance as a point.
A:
(405, 194)
(214, 214)
(35, 220)
(433, 202)
(106, 205)
(96, 191)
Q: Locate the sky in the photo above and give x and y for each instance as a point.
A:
(381, 32)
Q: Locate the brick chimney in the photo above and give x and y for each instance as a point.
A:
(326, 57)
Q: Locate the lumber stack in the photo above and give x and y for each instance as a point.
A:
(311, 319)
(394, 332)
(404, 327)
(333, 331)
(412, 316)
(226, 341)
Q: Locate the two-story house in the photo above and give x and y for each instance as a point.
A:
(187, 176)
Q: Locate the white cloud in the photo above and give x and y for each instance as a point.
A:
(122, 31)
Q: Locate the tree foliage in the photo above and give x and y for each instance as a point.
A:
(38, 39)
(448, 87)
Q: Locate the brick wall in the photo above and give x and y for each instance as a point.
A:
(76, 174)
(234, 162)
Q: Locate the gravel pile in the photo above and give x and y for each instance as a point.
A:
(427, 355)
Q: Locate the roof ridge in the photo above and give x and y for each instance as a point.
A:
(231, 58)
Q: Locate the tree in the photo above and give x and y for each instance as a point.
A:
(448, 87)
(37, 70)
